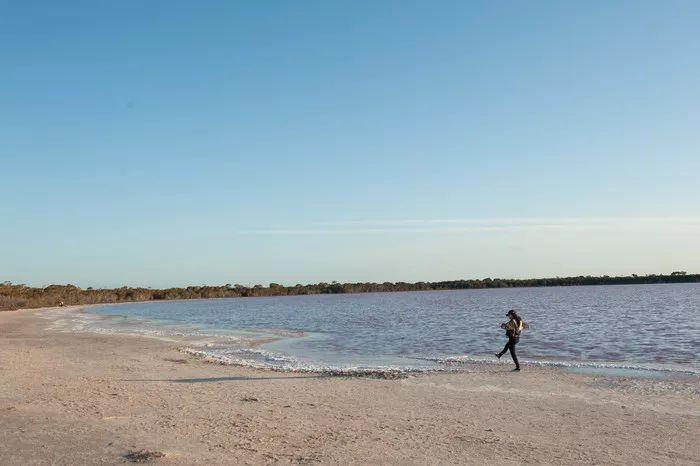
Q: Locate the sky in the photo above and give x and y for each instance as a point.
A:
(170, 143)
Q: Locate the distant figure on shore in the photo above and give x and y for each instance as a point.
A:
(513, 328)
(61, 304)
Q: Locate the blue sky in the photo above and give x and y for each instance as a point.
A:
(171, 143)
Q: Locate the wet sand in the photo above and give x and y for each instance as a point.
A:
(80, 398)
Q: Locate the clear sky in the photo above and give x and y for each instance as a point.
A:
(163, 143)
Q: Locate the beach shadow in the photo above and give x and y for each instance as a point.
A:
(226, 379)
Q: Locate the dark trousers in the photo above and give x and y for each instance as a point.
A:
(511, 346)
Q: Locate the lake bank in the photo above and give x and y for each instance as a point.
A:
(115, 394)
(24, 297)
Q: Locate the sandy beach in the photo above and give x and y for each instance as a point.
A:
(81, 398)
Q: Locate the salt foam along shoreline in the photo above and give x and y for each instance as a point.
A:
(268, 360)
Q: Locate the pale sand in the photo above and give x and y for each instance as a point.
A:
(85, 398)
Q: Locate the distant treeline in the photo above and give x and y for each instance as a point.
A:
(13, 296)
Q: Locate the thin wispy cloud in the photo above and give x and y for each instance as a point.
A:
(516, 221)
(473, 225)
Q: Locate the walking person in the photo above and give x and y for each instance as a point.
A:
(513, 328)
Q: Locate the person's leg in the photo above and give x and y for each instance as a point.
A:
(505, 348)
(511, 344)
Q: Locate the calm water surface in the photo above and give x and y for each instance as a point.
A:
(631, 326)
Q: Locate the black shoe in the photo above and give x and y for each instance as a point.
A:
(498, 355)
(517, 369)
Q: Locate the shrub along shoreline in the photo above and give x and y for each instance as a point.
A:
(17, 296)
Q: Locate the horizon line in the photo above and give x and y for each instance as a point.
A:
(557, 277)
